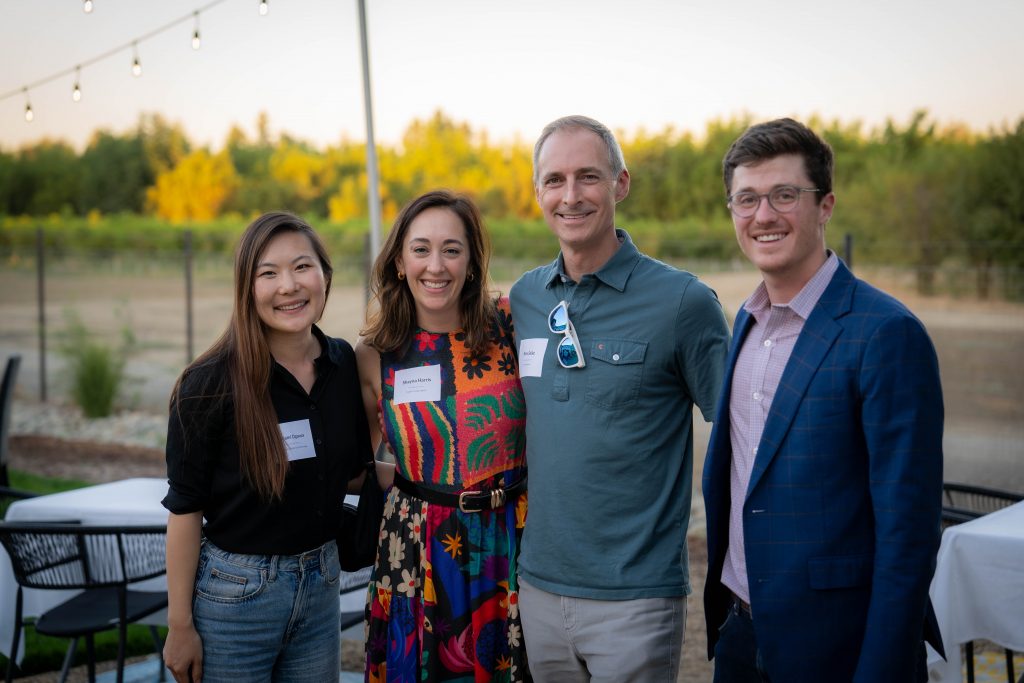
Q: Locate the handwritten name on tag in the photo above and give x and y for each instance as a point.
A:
(298, 439)
(531, 356)
(418, 384)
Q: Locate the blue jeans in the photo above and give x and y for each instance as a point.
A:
(268, 617)
(737, 658)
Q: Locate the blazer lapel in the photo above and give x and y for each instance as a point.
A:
(720, 443)
(815, 340)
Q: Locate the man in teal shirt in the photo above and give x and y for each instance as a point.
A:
(615, 349)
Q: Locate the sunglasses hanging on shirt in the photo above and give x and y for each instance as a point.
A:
(569, 352)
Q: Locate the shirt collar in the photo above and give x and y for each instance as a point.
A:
(615, 273)
(805, 301)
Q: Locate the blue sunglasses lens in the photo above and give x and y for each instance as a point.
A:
(559, 320)
(567, 352)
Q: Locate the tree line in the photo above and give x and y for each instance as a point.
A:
(914, 192)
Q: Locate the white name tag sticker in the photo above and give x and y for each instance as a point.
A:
(418, 384)
(298, 439)
(531, 356)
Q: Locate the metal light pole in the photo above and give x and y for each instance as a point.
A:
(373, 190)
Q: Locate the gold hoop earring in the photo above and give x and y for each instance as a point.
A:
(401, 275)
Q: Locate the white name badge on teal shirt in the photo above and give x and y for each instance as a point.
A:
(418, 384)
(531, 356)
(298, 439)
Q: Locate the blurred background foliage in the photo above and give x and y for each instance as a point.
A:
(911, 194)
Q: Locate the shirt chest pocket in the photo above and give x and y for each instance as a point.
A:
(615, 369)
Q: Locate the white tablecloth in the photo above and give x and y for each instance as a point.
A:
(129, 502)
(126, 502)
(978, 588)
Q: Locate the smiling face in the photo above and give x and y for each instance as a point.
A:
(788, 248)
(435, 260)
(289, 290)
(577, 190)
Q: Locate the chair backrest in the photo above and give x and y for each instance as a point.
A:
(977, 499)
(964, 502)
(6, 398)
(60, 555)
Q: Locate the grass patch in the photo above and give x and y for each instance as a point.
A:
(43, 485)
(45, 653)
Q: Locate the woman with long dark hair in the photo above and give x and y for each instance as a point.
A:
(266, 432)
(438, 366)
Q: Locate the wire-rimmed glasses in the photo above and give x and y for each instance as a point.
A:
(782, 199)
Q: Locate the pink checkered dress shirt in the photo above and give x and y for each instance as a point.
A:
(759, 366)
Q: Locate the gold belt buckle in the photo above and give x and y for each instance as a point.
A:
(496, 501)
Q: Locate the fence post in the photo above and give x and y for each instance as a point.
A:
(848, 250)
(187, 249)
(41, 300)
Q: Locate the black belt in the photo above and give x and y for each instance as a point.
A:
(467, 501)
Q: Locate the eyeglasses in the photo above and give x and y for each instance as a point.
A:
(782, 199)
(570, 353)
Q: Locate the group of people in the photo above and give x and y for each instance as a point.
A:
(822, 480)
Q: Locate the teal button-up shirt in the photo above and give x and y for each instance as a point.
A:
(610, 446)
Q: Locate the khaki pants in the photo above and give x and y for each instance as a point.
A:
(606, 641)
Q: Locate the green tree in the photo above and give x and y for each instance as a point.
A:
(164, 144)
(7, 175)
(46, 181)
(115, 173)
(995, 198)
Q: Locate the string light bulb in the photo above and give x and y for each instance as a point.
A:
(87, 6)
(28, 108)
(136, 64)
(264, 8)
(195, 33)
(76, 92)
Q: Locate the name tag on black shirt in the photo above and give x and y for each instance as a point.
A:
(298, 439)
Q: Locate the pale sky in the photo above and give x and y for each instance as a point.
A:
(509, 67)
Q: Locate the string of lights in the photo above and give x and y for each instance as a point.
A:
(133, 45)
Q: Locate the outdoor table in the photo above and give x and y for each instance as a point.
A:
(129, 502)
(978, 588)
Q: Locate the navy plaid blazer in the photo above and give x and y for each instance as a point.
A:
(841, 517)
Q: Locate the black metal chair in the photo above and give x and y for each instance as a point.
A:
(6, 398)
(101, 560)
(352, 582)
(962, 503)
(8, 494)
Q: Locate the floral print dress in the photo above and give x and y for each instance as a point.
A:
(443, 601)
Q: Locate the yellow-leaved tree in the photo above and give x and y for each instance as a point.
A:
(195, 189)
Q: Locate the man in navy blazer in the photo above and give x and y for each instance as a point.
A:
(823, 476)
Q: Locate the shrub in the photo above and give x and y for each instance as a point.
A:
(97, 369)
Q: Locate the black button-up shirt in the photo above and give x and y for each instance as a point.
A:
(204, 470)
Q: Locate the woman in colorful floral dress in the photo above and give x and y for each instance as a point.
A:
(439, 374)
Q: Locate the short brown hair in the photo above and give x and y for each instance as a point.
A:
(765, 141)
